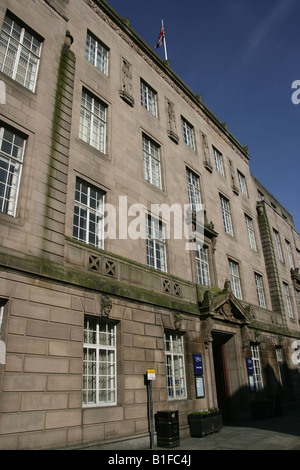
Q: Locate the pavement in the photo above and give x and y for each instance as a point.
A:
(277, 433)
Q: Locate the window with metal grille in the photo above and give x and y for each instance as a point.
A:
(99, 363)
(175, 369)
(256, 367)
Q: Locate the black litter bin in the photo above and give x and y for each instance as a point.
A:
(167, 428)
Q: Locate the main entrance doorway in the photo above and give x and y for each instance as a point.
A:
(220, 355)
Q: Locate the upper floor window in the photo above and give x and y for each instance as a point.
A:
(20, 51)
(289, 252)
(96, 53)
(148, 98)
(260, 290)
(92, 127)
(151, 162)
(202, 265)
(250, 230)
(226, 216)
(218, 158)
(88, 214)
(175, 369)
(277, 245)
(188, 133)
(288, 300)
(193, 190)
(235, 279)
(99, 363)
(243, 184)
(156, 243)
(12, 146)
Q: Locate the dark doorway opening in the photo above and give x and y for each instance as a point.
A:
(222, 374)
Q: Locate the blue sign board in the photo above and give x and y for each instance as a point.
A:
(249, 363)
(198, 364)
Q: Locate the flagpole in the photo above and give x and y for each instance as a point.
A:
(164, 39)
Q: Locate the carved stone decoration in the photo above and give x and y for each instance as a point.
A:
(177, 320)
(172, 130)
(226, 310)
(206, 161)
(207, 326)
(235, 189)
(245, 338)
(105, 306)
(126, 81)
(227, 286)
(206, 303)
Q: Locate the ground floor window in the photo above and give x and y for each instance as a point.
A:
(175, 370)
(99, 362)
(256, 367)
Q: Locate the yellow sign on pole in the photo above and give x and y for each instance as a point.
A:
(151, 374)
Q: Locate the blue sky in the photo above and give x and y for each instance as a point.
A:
(242, 56)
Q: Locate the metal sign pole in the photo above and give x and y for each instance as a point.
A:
(151, 416)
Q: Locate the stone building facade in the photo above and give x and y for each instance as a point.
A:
(96, 133)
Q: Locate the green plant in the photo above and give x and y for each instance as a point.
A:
(206, 412)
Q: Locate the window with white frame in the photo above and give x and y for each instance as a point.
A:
(288, 299)
(1, 315)
(193, 190)
(202, 265)
(151, 162)
(243, 184)
(20, 51)
(235, 279)
(218, 158)
(148, 98)
(12, 147)
(188, 133)
(260, 290)
(250, 231)
(155, 243)
(175, 369)
(88, 222)
(92, 128)
(277, 245)
(99, 363)
(96, 53)
(256, 367)
(289, 252)
(226, 216)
